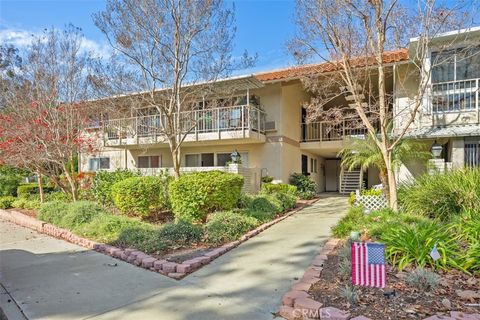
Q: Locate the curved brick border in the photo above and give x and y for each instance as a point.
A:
(298, 304)
(170, 269)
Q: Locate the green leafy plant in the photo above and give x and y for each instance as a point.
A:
(180, 234)
(270, 188)
(26, 203)
(10, 179)
(228, 226)
(352, 221)
(411, 244)
(53, 212)
(423, 279)
(466, 229)
(104, 180)
(79, 213)
(306, 188)
(141, 196)
(195, 195)
(141, 237)
(443, 195)
(108, 227)
(6, 202)
(267, 179)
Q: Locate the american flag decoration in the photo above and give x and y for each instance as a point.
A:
(368, 264)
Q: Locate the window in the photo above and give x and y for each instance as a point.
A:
(149, 162)
(95, 164)
(453, 79)
(455, 65)
(199, 160)
(223, 158)
(315, 166)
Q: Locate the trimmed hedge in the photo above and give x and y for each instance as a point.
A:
(141, 196)
(229, 226)
(28, 189)
(104, 180)
(196, 195)
(53, 212)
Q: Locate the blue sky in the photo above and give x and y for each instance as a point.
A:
(263, 26)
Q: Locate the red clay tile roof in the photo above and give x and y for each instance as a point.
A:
(311, 69)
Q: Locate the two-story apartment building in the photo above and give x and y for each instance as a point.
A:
(265, 122)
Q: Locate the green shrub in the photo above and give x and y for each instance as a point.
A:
(53, 212)
(195, 195)
(10, 179)
(57, 196)
(26, 203)
(144, 238)
(6, 202)
(265, 203)
(443, 195)
(28, 189)
(270, 188)
(108, 227)
(228, 226)
(180, 234)
(306, 188)
(261, 216)
(104, 180)
(141, 196)
(410, 245)
(79, 213)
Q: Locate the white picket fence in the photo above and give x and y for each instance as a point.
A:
(370, 203)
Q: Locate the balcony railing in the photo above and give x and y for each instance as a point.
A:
(235, 118)
(455, 96)
(326, 131)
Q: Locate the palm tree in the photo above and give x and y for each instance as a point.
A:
(365, 153)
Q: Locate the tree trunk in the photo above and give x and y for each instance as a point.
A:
(176, 158)
(71, 183)
(40, 187)
(392, 185)
(384, 179)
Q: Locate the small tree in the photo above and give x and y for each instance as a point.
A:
(354, 37)
(169, 48)
(45, 113)
(365, 153)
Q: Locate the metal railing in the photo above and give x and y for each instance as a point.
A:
(327, 131)
(243, 117)
(454, 96)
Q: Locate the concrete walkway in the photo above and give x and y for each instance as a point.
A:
(53, 279)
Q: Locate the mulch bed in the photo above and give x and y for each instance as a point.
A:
(408, 303)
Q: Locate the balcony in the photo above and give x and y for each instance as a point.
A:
(245, 123)
(326, 131)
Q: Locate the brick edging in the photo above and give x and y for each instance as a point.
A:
(170, 269)
(298, 304)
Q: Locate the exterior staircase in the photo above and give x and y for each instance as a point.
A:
(350, 180)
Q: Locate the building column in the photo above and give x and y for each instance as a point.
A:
(458, 153)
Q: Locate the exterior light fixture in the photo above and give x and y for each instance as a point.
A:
(436, 150)
(235, 156)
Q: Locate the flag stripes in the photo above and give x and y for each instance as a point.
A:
(368, 264)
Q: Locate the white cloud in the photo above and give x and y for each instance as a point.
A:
(21, 38)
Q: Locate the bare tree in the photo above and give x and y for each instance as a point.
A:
(354, 38)
(174, 51)
(45, 113)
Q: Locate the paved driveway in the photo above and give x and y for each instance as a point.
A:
(53, 279)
